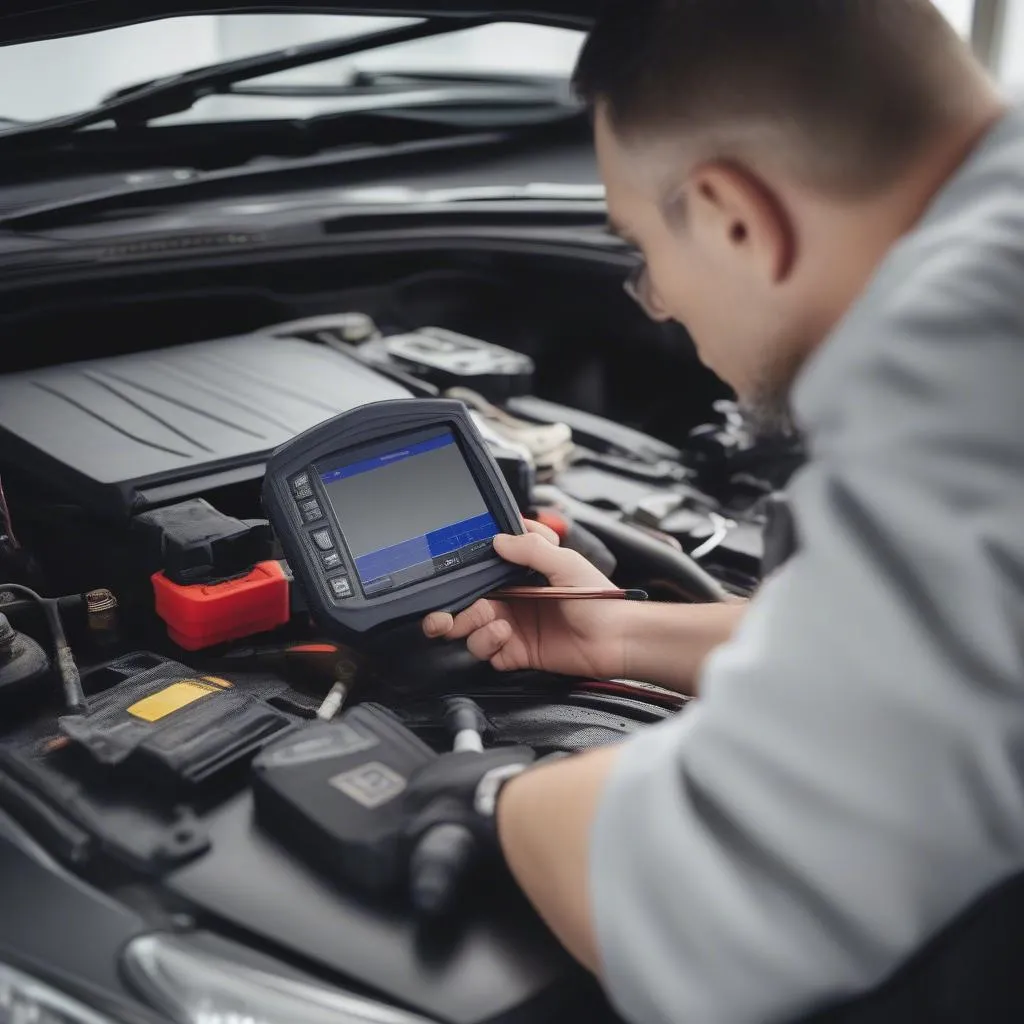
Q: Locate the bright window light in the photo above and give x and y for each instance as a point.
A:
(959, 12)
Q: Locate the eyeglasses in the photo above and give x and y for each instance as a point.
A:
(638, 287)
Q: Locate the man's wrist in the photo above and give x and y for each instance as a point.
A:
(668, 644)
(634, 625)
(504, 785)
(652, 641)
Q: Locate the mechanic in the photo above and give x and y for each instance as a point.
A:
(829, 194)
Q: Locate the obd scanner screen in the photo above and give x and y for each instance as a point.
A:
(410, 512)
(388, 512)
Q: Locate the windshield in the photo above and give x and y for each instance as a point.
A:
(62, 76)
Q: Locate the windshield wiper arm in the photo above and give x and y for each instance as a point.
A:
(136, 105)
(376, 83)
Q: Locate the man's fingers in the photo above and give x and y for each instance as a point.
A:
(477, 616)
(485, 643)
(483, 624)
(442, 624)
(532, 526)
(563, 568)
(438, 624)
(458, 627)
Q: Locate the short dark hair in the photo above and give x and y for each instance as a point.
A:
(859, 86)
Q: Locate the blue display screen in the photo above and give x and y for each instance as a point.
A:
(410, 512)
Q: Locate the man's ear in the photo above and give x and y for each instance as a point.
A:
(736, 213)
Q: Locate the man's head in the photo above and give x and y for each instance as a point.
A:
(763, 156)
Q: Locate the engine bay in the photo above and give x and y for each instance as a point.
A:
(151, 799)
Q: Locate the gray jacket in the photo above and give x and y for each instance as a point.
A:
(852, 776)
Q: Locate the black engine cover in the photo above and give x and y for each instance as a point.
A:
(123, 434)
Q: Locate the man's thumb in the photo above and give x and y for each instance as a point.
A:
(561, 567)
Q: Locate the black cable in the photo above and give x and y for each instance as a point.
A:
(70, 679)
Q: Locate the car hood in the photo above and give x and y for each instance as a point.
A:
(27, 20)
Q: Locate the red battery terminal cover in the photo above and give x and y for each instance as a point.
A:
(206, 614)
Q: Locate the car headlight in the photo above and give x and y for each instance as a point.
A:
(191, 986)
(26, 1000)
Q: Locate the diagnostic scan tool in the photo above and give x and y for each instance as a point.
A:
(387, 512)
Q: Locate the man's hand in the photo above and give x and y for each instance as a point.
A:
(657, 643)
(579, 638)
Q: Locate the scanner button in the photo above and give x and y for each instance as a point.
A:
(331, 561)
(340, 587)
(311, 511)
(442, 563)
(323, 540)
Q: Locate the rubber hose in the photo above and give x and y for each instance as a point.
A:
(675, 565)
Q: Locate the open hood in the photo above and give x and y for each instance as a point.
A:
(27, 20)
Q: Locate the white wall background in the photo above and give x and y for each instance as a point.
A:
(45, 79)
(1012, 65)
(959, 12)
(53, 77)
(57, 76)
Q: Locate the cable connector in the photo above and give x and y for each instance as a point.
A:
(70, 677)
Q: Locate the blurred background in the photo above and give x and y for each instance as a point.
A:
(46, 79)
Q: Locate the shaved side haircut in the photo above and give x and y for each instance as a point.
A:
(846, 92)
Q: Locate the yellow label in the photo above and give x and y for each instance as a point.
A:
(217, 681)
(170, 699)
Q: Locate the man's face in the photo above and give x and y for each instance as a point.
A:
(700, 271)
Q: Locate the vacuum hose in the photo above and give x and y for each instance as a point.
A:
(695, 581)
